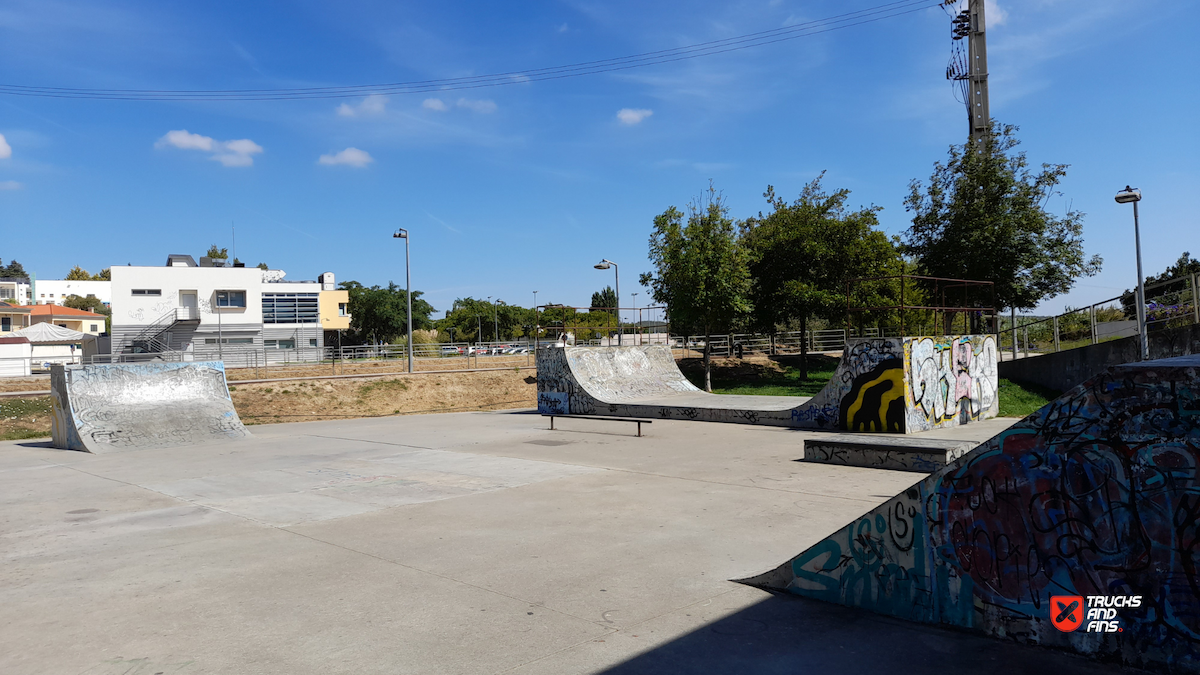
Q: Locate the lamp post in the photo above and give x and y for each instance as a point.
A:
(603, 265)
(495, 320)
(535, 322)
(637, 331)
(403, 234)
(1133, 196)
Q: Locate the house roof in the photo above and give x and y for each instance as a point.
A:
(43, 333)
(18, 340)
(12, 309)
(60, 312)
(187, 260)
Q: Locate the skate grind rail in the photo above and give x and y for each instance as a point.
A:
(1095, 498)
(126, 406)
(896, 385)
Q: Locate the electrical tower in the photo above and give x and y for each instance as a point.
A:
(969, 66)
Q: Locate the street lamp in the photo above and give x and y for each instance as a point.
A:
(603, 265)
(1133, 196)
(637, 330)
(535, 322)
(495, 321)
(403, 234)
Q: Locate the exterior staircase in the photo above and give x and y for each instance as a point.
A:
(154, 338)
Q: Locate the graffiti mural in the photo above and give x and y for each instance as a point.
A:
(875, 401)
(1096, 494)
(951, 381)
(102, 408)
(876, 387)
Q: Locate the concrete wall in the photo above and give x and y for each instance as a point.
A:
(54, 291)
(1094, 495)
(1063, 370)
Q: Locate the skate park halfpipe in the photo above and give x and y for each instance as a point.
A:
(897, 385)
(1094, 499)
(125, 406)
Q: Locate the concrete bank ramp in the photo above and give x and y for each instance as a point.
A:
(1096, 494)
(126, 406)
(897, 385)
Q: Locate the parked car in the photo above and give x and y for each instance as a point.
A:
(451, 350)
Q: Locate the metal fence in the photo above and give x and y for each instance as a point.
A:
(1169, 304)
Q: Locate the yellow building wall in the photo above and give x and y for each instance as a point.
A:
(327, 305)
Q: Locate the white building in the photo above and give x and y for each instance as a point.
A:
(14, 291)
(238, 314)
(54, 291)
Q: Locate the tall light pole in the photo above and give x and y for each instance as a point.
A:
(535, 322)
(403, 234)
(1133, 196)
(495, 320)
(603, 265)
(637, 330)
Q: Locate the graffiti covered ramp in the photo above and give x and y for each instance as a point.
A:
(898, 385)
(114, 407)
(1096, 494)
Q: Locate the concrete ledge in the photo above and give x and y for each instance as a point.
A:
(901, 454)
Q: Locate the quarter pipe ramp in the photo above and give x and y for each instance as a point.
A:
(108, 408)
(1095, 496)
(898, 385)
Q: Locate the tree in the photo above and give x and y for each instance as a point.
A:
(379, 314)
(215, 251)
(262, 266)
(1180, 272)
(983, 217)
(104, 275)
(77, 273)
(605, 299)
(91, 304)
(13, 270)
(802, 254)
(474, 320)
(700, 270)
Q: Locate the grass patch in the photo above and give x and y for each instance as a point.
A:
(779, 376)
(21, 434)
(1021, 400)
(25, 418)
(382, 387)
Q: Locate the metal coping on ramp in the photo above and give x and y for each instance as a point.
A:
(1045, 533)
(896, 385)
(113, 407)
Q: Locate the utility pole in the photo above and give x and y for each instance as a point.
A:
(971, 68)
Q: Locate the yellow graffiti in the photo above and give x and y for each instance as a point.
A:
(893, 375)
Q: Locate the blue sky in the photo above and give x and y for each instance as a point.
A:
(517, 188)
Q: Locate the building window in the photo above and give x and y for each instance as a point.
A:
(94, 327)
(289, 308)
(312, 342)
(5, 324)
(7, 294)
(230, 341)
(140, 291)
(231, 298)
(342, 309)
(279, 344)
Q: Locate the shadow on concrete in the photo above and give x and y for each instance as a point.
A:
(47, 443)
(787, 635)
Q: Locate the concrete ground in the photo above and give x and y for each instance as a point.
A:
(464, 543)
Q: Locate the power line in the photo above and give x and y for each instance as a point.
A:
(741, 42)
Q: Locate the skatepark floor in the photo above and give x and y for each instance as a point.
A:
(457, 543)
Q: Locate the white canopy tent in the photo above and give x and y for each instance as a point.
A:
(54, 344)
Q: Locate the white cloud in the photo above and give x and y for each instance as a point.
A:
(229, 153)
(485, 106)
(371, 105)
(349, 157)
(632, 116)
(564, 28)
(11, 185)
(435, 104)
(5, 148)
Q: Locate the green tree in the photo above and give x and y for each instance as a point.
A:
(1181, 273)
(104, 275)
(983, 217)
(380, 313)
(474, 320)
(215, 251)
(13, 270)
(700, 270)
(262, 266)
(802, 253)
(77, 273)
(90, 304)
(605, 299)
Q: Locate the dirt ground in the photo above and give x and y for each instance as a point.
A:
(330, 399)
(382, 366)
(32, 383)
(270, 402)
